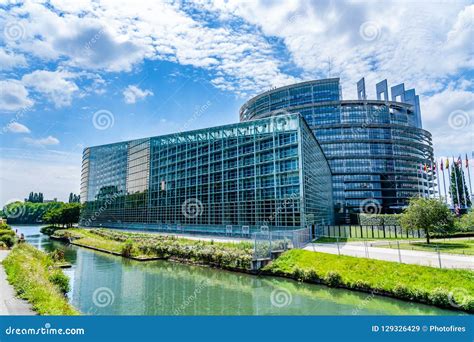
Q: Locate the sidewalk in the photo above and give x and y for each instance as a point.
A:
(389, 254)
(10, 304)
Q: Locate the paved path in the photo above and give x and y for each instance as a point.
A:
(10, 304)
(389, 254)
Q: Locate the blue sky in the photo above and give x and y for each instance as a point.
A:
(81, 73)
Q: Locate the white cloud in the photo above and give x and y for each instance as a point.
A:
(48, 141)
(57, 86)
(115, 36)
(132, 93)
(449, 116)
(13, 96)
(16, 127)
(10, 60)
(17, 180)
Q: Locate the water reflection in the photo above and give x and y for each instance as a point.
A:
(104, 284)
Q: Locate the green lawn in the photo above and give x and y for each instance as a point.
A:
(36, 278)
(457, 246)
(442, 287)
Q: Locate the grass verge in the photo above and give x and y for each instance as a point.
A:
(457, 246)
(35, 278)
(148, 246)
(447, 288)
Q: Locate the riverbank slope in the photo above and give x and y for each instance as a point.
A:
(35, 277)
(448, 288)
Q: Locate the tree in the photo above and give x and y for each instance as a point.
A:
(65, 215)
(432, 215)
(73, 198)
(466, 222)
(34, 197)
(458, 186)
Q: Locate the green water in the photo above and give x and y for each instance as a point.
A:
(102, 284)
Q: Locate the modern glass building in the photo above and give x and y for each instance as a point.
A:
(269, 173)
(375, 147)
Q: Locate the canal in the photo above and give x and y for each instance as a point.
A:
(103, 284)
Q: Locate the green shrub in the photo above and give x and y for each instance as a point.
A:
(440, 296)
(57, 255)
(61, 280)
(127, 248)
(9, 232)
(402, 291)
(314, 276)
(379, 219)
(361, 285)
(300, 274)
(8, 240)
(333, 279)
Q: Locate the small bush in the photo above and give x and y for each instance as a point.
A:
(402, 291)
(61, 280)
(127, 248)
(8, 240)
(440, 297)
(9, 232)
(333, 279)
(361, 285)
(314, 276)
(57, 255)
(300, 274)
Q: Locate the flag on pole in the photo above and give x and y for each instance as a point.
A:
(434, 167)
(441, 164)
(447, 163)
(467, 162)
(459, 161)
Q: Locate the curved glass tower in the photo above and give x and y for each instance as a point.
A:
(377, 150)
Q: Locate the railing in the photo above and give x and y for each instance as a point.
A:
(270, 243)
(367, 232)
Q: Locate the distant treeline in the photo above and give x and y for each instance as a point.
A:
(34, 208)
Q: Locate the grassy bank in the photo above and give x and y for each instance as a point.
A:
(147, 246)
(448, 288)
(457, 246)
(35, 278)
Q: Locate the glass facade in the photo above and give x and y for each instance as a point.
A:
(236, 178)
(375, 147)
